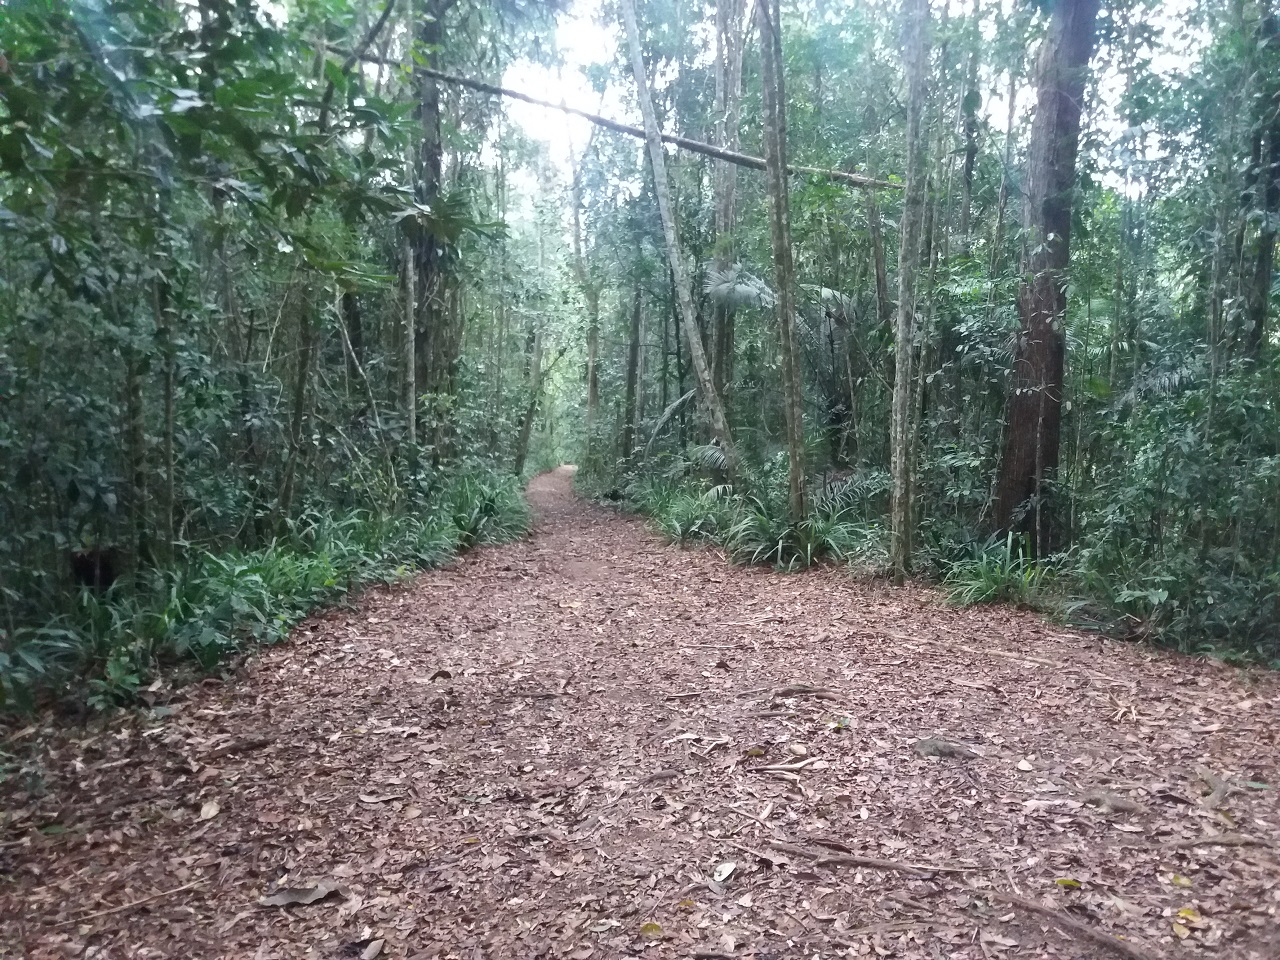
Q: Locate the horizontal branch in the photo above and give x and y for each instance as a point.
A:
(695, 146)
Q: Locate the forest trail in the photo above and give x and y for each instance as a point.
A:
(558, 748)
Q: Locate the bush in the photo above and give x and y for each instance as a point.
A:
(108, 646)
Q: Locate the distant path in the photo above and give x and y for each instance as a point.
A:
(553, 749)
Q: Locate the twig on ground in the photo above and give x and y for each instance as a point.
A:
(1059, 919)
(743, 813)
(239, 746)
(129, 906)
(1218, 840)
(821, 857)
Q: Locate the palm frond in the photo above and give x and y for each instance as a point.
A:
(667, 414)
(733, 287)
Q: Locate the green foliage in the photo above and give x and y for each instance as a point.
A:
(110, 645)
(997, 572)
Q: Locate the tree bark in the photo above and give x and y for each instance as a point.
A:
(633, 376)
(661, 186)
(775, 143)
(731, 30)
(591, 297)
(915, 51)
(1258, 295)
(428, 176)
(1030, 456)
(407, 339)
(884, 305)
(531, 410)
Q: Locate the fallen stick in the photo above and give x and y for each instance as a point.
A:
(240, 746)
(1062, 921)
(821, 857)
(786, 767)
(1220, 840)
(743, 813)
(130, 906)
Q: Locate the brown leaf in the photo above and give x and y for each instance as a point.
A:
(302, 896)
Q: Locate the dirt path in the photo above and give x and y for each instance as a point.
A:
(557, 748)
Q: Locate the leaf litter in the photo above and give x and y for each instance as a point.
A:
(594, 745)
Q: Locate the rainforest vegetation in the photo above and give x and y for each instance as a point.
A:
(294, 295)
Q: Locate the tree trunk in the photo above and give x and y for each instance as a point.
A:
(1258, 297)
(428, 175)
(408, 360)
(354, 325)
(969, 111)
(298, 418)
(775, 153)
(1030, 456)
(633, 376)
(168, 349)
(884, 305)
(915, 27)
(531, 410)
(661, 186)
(730, 45)
(591, 297)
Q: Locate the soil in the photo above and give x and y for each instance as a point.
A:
(593, 744)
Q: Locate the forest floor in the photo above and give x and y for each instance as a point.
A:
(593, 745)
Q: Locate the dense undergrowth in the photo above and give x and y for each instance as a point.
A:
(106, 647)
(1206, 583)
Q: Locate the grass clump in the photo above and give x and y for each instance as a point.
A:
(106, 647)
(997, 572)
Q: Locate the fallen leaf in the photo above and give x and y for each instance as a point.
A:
(1067, 883)
(651, 930)
(933, 747)
(209, 810)
(295, 896)
(372, 950)
(380, 797)
(724, 871)
(1180, 931)
(1025, 765)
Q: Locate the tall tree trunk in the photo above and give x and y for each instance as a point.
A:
(633, 376)
(1030, 456)
(135, 432)
(591, 297)
(168, 349)
(661, 187)
(531, 409)
(731, 29)
(428, 176)
(884, 305)
(1258, 297)
(916, 58)
(969, 111)
(775, 158)
(407, 341)
(298, 418)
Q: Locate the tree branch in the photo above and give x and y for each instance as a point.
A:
(352, 58)
(695, 146)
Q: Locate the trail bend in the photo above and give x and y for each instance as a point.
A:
(594, 744)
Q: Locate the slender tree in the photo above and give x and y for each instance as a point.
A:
(915, 53)
(684, 297)
(775, 153)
